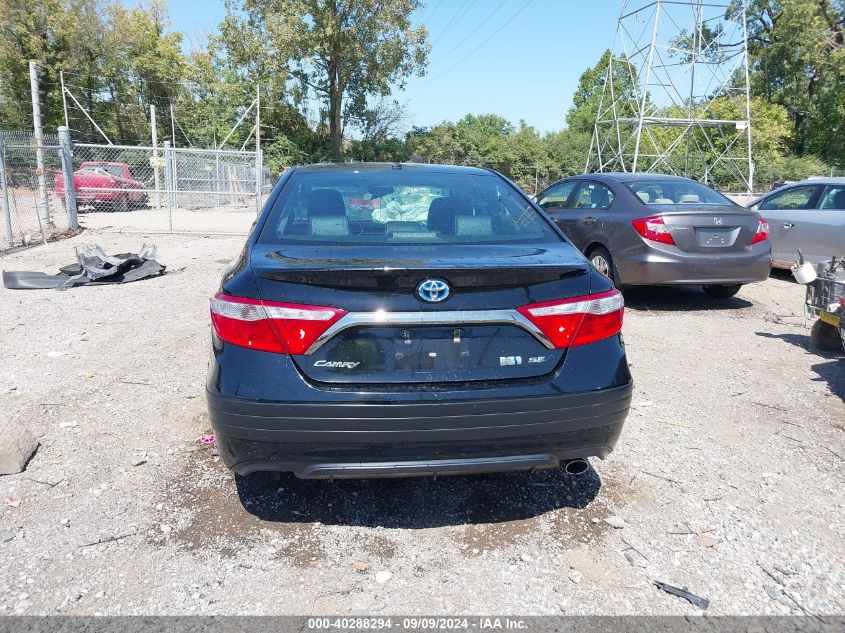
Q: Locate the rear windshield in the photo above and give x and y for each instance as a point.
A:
(675, 192)
(402, 207)
(114, 170)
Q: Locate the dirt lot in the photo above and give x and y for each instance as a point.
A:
(728, 479)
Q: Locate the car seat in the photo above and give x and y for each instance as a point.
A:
(441, 216)
(327, 213)
(838, 201)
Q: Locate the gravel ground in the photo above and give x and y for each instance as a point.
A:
(728, 478)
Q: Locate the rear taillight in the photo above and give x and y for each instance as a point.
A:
(762, 230)
(270, 326)
(654, 229)
(580, 320)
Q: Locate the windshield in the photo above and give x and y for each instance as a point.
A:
(402, 207)
(114, 170)
(675, 192)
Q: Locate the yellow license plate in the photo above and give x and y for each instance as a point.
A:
(829, 318)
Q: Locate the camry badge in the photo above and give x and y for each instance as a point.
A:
(433, 290)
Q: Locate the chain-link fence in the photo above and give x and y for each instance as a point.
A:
(32, 203)
(166, 188)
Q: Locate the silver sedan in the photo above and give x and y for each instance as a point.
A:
(807, 215)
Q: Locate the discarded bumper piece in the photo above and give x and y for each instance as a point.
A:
(93, 267)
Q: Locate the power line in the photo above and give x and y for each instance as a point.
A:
(452, 21)
(432, 12)
(474, 31)
(475, 50)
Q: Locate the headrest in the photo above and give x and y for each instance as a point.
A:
(441, 215)
(323, 202)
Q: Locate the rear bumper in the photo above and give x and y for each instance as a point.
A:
(338, 440)
(671, 266)
(782, 264)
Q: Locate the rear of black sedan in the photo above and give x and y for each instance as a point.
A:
(389, 320)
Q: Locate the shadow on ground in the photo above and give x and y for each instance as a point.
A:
(415, 503)
(832, 372)
(681, 298)
(784, 275)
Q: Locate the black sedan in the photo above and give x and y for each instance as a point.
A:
(650, 229)
(398, 319)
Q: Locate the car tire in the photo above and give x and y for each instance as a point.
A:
(122, 203)
(722, 291)
(825, 336)
(602, 261)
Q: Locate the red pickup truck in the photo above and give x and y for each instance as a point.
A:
(104, 183)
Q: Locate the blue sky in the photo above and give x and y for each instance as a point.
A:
(527, 70)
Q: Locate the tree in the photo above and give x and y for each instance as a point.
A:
(58, 35)
(519, 152)
(344, 51)
(797, 52)
(142, 64)
(115, 59)
(590, 93)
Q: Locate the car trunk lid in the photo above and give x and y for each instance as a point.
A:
(402, 268)
(709, 228)
(391, 336)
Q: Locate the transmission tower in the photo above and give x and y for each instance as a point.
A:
(676, 95)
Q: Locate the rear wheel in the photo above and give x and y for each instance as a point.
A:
(602, 261)
(122, 203)
(825, 336)
(722, 291)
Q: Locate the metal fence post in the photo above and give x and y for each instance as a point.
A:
(259, 179)
(168, 180)
(4, 196)
(66, 152)
(217, 177)
(154, 129)
(43, 200)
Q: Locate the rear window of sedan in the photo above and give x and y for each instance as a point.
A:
(653, 192)
(402, 207)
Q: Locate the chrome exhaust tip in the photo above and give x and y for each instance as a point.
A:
(576, 466)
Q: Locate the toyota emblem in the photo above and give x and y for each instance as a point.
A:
(433, 290)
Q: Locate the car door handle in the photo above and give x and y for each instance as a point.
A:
(589, 220)
(787, 225)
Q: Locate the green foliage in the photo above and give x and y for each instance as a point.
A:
(54, 32)
(520, 153)
(112, 56)
(351, 54)
(701, 44)
(344, 51)
(783, 168)
(589, 95)
(797, 49)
